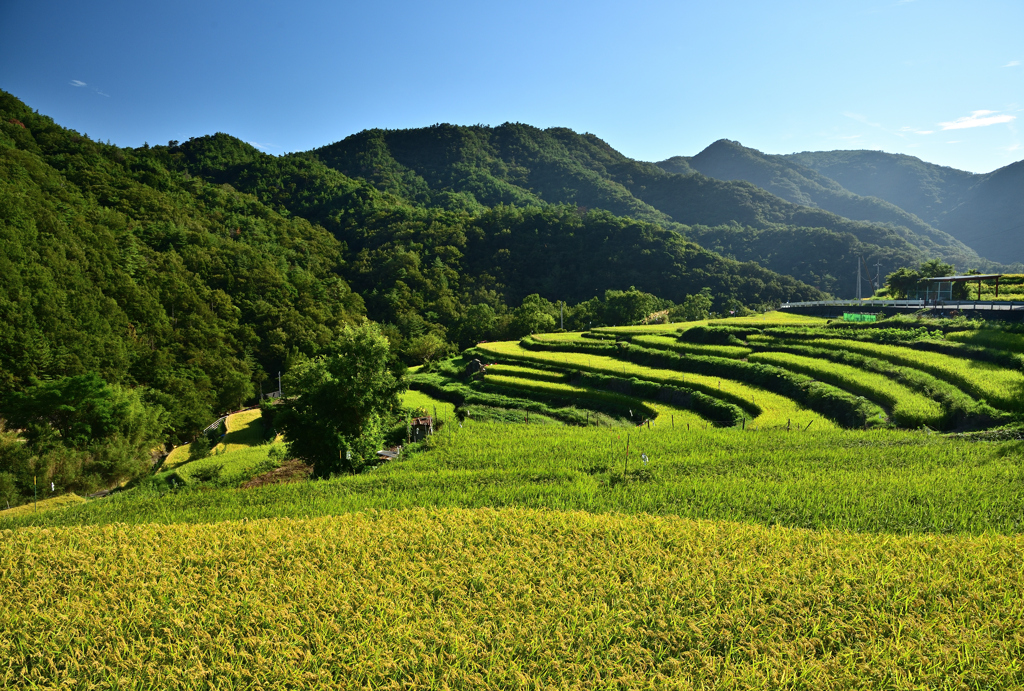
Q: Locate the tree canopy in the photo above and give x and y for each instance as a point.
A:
(80, 433)
(339, 404)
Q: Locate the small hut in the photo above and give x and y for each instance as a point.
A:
(422, 427)
(940, 288)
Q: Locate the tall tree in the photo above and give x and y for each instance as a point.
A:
(339, 405)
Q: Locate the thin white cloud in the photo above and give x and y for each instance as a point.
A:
(955, 141)
(262, 146)
(851, 136)
(101, 93)
(1014, 147)
(1012, 63)
(75, 82)
(977, 118)
(914, 130)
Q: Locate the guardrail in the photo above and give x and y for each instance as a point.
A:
(215, 423)
(991, 305)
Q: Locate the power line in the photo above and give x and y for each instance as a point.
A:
(998, 232)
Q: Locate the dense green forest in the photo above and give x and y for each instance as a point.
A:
(141, 289)
(422, 263)
(148, 290)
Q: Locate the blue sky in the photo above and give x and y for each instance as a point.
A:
(943, 81)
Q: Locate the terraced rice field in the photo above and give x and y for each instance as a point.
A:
(647, 328)
(768, 319)
(524, 372)
(1001, 387)
(675, 345)
(639, 409)
(499, 555)
(990, 338)
(570, 337)
(909, 408)
(774, 410)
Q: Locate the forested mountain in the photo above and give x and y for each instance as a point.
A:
(195, 271)
(728, 160)
(461, 167)
(983, 211)
(185, 275)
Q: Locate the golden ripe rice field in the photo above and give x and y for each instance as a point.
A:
(663, 413)
(487, 598)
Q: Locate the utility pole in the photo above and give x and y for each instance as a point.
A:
(858, 277)
(878, 274)
(561, 315)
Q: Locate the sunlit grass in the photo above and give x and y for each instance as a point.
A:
(243, 430)
(230, 468)
(908, 408)
(48, 504)
(421, 403)
(1001, 387)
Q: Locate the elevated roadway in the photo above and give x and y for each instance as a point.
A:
(1003, 310)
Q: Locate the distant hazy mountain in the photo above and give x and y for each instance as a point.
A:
(728, 160)
(985, 211)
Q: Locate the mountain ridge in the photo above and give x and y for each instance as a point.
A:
(461, 167)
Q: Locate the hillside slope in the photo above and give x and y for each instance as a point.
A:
(116, 264)
(990, 215)
(197, 268)
(468, 253)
